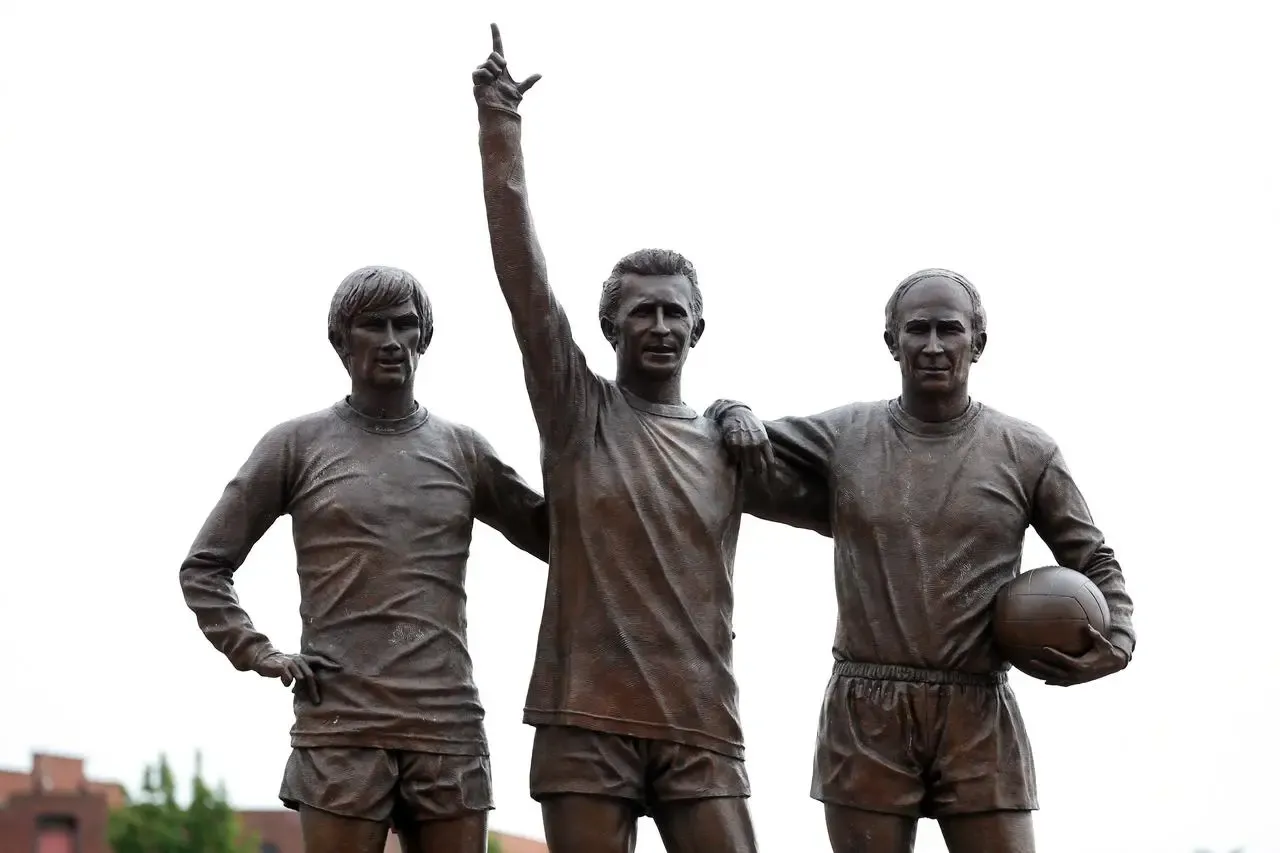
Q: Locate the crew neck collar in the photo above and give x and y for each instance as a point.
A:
(381, 426)
(949, 427)
(664, 410)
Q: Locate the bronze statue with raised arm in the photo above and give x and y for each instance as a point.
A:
(633, 692)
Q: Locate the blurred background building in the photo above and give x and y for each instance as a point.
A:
(54, 808)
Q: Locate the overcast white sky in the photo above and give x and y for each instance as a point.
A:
(183, 185)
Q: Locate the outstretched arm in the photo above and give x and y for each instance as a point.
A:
(785, 463)
(506, 503)
(560, 383)
(790, 496)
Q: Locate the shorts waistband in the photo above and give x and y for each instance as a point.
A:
(892, 672)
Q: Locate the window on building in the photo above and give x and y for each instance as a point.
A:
(56, 834)
(268, 847)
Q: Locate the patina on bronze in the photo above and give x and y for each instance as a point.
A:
(633, 693)
(931, 497)
(383, 496)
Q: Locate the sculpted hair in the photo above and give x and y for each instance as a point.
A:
(648, 262)
(373, 289)
(977, 317)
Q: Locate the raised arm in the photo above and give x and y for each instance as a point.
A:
(785, 463)
(250, 504)
(1062, 519)
(561, 386)
(506, 503)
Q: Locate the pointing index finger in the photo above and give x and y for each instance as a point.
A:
(497, 39)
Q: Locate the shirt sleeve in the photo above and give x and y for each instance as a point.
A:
(249, 505)
(807, 444)
(562, 388)
(507, 504)
(800, 493)
(1062, 519)
(792, 496)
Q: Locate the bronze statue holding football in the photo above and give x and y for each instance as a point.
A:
(931, 497)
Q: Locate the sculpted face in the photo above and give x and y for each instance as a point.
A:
(936, 343)
(382, 346)
(654, 329)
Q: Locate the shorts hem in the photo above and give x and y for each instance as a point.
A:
(957, 810)
(863, 806)
(295, 804)
(642, 805)
(583, 791)
(705, 795)
(965, 809)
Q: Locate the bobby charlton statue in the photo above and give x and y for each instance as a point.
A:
(383, 496)
(633, 693)
(931, 496)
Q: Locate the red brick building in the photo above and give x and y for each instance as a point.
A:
(54, 808)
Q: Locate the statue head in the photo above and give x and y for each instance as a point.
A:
(380, 324)
(935, 328)
(651, 313)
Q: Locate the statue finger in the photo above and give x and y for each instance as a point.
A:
(317, 663)
(304, 671)
(1100, 641)
(313, 685)
(770, 459)
(1058, 659)
(1043, 671)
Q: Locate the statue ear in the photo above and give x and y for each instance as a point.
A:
(979, 345)
(338, 341)
(610, 330)
(892, 343)
(698, 328)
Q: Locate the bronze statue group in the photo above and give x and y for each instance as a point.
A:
(927, 499)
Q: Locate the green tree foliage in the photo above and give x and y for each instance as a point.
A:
(156, 822)
(495, 846)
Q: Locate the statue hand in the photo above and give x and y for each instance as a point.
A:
(748, 443)
(299, 668)
(494, 87)
(1061, 670)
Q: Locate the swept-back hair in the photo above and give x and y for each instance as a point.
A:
(648, 262)
(374, 289)
(977, 316)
